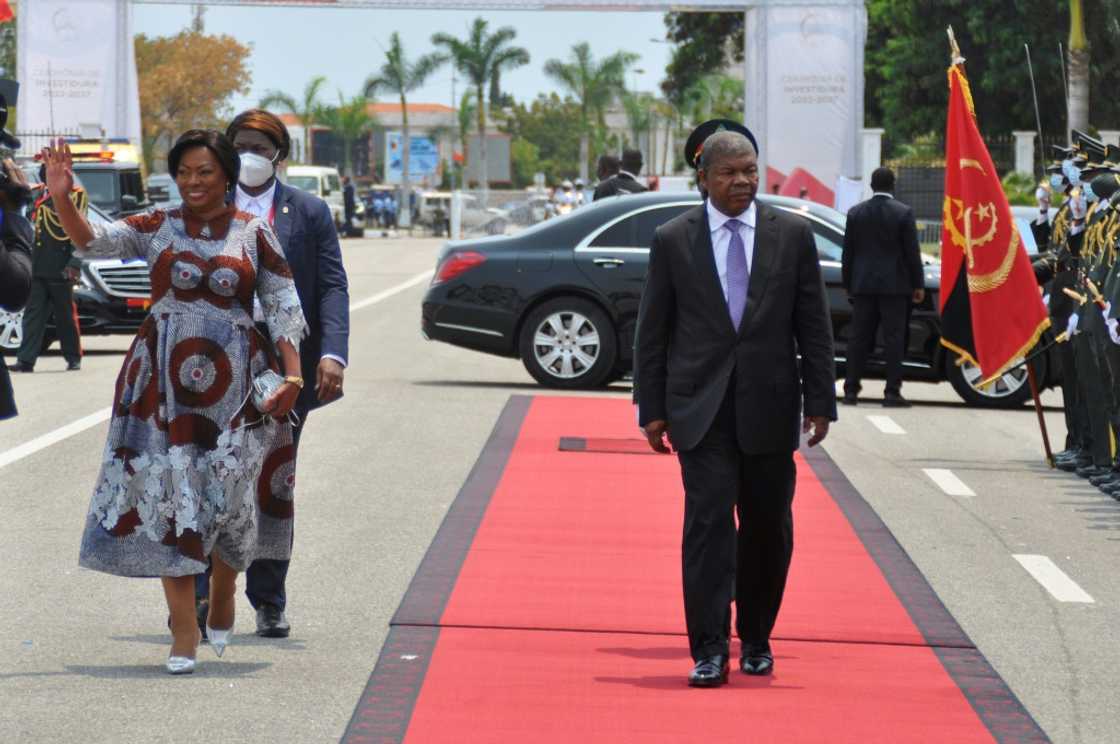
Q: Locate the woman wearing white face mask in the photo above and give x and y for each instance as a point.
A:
(305, 229)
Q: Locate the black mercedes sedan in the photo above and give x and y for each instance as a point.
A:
(563, 296)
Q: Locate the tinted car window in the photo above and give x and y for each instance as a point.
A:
(132, 184)
(100, 187)
(637, 231)
(828, 247)
(653, 219)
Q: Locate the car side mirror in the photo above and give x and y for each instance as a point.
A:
(128, 201)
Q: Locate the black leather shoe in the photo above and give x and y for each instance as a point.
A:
(1100, 479)
(1066, 454)
(758, 659)
(709, 672)
(1111, 487)
(271, 622)
(1070, 466)
(850, 399)
(1088, 471)
(73, 366)
(895, 401)
(21, 367)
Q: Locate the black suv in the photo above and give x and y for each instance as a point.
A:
(117, 188)
(112, 296)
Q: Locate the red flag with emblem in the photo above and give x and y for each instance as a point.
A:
(991, 309)
(6, 12)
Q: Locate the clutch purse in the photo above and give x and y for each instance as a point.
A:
(265, 384)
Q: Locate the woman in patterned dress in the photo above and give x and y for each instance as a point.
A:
(192, 472)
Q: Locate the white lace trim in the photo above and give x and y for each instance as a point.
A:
(197, 492)
(285, 320)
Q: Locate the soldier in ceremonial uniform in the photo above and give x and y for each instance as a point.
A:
(54, 270)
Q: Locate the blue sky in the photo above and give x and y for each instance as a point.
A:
(292, 45)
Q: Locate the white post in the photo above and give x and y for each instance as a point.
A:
(456, 214)
(870, 155)
(1024, 152)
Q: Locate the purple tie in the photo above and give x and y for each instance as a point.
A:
(737, 275)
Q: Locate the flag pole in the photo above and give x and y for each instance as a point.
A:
(1041, 419)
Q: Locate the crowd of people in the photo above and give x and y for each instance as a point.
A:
(1081, 271)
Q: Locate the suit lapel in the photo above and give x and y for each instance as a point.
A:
(704, 262)
(762, 261)
(282, 221)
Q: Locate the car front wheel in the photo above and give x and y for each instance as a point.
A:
(569, 343)
(11, 330)
(1009, 390)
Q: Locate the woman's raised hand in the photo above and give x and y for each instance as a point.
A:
(60, 167)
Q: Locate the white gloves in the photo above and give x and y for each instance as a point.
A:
(1071, 326)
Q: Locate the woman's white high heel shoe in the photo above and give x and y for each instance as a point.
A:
(219, 639)
(180, 665)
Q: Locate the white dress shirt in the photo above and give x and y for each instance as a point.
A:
(261, 206)
(721, 239)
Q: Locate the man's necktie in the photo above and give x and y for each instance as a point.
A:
(738, 277)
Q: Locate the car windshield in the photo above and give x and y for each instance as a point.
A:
(310, 184)
(101, 187)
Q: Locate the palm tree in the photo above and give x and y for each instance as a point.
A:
(639, 108)
(400, 76)
(1078, 69)
(349, 120)
(306, 109)
(594, 86)
(714, 96)
(481, 58)
(467, 111)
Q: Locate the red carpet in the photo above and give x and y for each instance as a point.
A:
(549, 609)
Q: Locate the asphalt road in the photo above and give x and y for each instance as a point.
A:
(81, 652)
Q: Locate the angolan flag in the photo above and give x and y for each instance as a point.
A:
(991, 309)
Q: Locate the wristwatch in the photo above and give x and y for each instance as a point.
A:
(297, 381)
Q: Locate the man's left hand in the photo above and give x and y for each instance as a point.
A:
(328, 379)
(819, 425)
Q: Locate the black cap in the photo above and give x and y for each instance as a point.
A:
(695, 143)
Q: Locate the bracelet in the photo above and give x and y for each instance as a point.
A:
(297, 381)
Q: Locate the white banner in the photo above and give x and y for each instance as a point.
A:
(77, 67)
(805, 95)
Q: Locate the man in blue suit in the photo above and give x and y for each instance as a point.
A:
(306, 231)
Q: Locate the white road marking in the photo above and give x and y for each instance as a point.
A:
(948, 482)
(386, 294)
(886, 424)
(53, 437)
(1053, 579)
(76, 427)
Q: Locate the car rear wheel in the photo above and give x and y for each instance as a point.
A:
(11, 330)
(1009, 390)
(569, 343)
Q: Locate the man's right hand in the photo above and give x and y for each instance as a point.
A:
(918, 296)
(656, 434)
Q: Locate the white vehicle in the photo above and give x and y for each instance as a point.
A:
(435, 212)
(324, 183)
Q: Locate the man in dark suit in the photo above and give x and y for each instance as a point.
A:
(882, 271)
(733, 295)
(54, 268)
(626, 181)
(306, 232)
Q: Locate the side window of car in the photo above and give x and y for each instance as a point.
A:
(333, 183)
(829, 243)
(653, 219)
(636, 231)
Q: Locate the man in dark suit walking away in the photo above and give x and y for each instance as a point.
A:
(882, 271)
(733, 295)
(626, 181)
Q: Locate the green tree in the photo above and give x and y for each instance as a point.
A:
(639, 109)
(551, 125)
(8, 50)
(307, 109)
(481, 57)
(350, 121)
(186, 81)
(703, 43)
(594, 85)
(400, 76)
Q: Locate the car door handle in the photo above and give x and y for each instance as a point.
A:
(608, 263)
